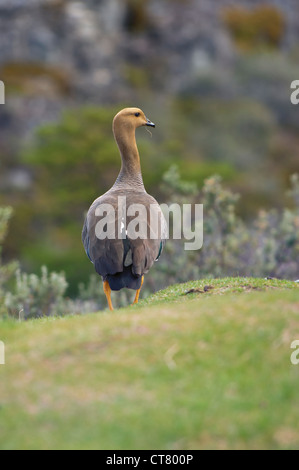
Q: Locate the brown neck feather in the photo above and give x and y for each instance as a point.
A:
(130, 173)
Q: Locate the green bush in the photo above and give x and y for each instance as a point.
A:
(6, 270)
(266, 246)
(35, 296)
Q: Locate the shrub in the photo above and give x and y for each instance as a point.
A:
(6, 271)
(25, 76)
(267, 246)
(36, 296)
(262, 26)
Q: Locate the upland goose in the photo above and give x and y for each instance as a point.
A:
(124, 230)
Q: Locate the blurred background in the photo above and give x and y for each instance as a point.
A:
(215, 78)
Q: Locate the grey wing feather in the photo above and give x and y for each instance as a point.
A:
(105, 254)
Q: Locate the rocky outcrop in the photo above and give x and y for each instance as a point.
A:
(92, 51)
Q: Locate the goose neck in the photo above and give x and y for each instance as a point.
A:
(130, 173)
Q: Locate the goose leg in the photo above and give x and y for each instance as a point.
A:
(138, 292)
(107, 291)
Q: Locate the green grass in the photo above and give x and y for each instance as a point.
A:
(204, 370)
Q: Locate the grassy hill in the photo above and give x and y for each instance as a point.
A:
(202, 365)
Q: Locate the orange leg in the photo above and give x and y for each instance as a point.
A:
(138, 292)
(107, 291)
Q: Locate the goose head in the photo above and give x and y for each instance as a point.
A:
(131, 119)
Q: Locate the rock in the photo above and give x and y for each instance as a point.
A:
(89, 42)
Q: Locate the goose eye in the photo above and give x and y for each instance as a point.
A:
(137, 114)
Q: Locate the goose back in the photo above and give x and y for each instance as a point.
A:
(123, 259)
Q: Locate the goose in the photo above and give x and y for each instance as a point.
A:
(125, 231)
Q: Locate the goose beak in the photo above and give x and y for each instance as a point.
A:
(150, 123)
